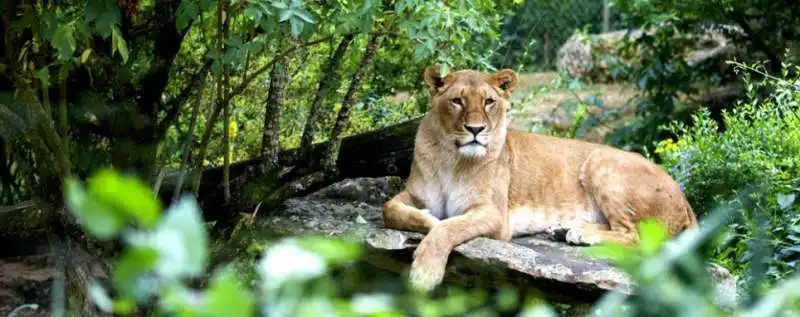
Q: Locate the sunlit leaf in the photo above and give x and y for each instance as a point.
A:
(95, 217)
(181, 240)
(100, 297)
(333, 251)
(610, 251)
(288, 261)
(785, 201)
(119, 45)
(226, 297)
(652, 234)
(304, 15)
(297, 26)
(286, 15)
(131, 271)
(85, 55)
(128, 196)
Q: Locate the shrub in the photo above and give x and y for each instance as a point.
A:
(301, 276)
(759, 149)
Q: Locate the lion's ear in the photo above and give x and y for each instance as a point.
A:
(506, 80)
(433, 77)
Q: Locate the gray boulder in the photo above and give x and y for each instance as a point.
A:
(563, 272)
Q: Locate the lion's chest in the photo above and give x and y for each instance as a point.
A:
(445, 197)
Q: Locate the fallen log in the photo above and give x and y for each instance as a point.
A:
(383, 152)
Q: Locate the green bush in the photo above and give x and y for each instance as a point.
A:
(302, 276)
(758, 149)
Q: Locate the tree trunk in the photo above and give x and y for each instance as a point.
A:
(226, 107)
(329, 80)
(343, 119)
(187, 142)
(606, 15)
(271, 136)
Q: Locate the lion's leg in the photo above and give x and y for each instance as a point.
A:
(608, 183)
(400, 213)
(592, 234)
(430, 257)
(619, 213)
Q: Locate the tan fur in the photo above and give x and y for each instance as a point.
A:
(519, 183)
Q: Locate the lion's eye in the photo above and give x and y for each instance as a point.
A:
(488, 102)
(457, 101)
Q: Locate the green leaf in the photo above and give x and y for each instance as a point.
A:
(187, 12)
(225, 297)
(297, 26)
(652, 235)
(85, 55)
(786, 201)
(63, 71)
(254, 47)
(43, 75)
(275, 270)
(134, 264)
(286, 15)
(216, 66)
(234, 41)
(333, 251)
(180, 240)
(279, 5)
(119, 44)
(128, 196)
(304, 15)
(180, 300)
(99, 220)
(613, 252)
(104, 13)
(100, 297)
(64, 42)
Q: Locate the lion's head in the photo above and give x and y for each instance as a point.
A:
(470, 108)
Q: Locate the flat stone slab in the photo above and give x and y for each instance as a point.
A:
(561, 272)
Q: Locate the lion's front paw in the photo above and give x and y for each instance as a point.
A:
(425, 276)
(576, 236)
(428, 268)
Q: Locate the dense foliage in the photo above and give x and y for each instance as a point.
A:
(309, 276)
(150, 85)
(173, 87)
(757, 30)
(760, 151)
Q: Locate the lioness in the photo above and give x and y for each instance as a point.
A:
(471, 176)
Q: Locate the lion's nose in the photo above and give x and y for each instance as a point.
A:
(475, 129)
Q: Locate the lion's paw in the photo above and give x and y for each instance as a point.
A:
(426, 276)
(576, 236)
(428, 268)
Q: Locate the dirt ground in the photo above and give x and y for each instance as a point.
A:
(541, 99)
(26, 280)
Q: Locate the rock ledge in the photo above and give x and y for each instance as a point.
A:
(561, 272)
